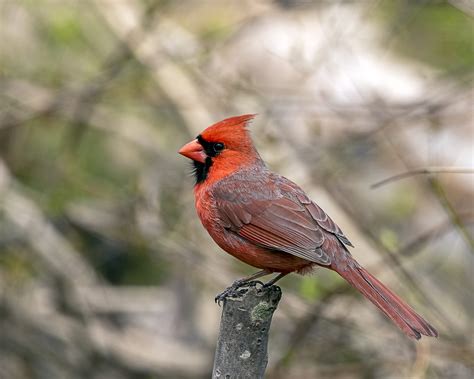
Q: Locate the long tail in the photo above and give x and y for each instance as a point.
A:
(410, 322)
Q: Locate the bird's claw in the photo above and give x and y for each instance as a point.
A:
(235, 290)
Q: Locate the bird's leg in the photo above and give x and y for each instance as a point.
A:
(232, 290)
(275, 279)
(249, 278)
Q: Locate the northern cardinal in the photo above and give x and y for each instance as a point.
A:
(268, 222)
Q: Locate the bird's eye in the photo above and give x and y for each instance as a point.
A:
(218, 147)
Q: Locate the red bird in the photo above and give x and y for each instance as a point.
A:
(268, 222)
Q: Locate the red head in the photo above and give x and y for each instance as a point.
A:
(222, 149)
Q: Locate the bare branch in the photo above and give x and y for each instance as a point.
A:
(243, 336)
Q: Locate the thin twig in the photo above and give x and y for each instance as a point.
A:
(416, 244)
(424, 171)
(453, 215)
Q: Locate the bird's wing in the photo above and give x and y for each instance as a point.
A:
(287, 187)
(284, 219)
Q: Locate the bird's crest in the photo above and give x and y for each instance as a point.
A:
(232, 130)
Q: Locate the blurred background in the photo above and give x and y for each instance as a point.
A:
(105, 270)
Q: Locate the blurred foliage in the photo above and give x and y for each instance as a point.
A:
(98, 167)
(433, 32)
(309, 288)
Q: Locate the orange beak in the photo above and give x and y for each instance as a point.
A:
(193, 150)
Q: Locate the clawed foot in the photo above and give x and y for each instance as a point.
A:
(235, 290)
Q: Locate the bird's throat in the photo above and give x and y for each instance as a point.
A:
(201, 170)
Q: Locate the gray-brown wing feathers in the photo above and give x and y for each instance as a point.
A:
(282, 219)
(279, 224)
